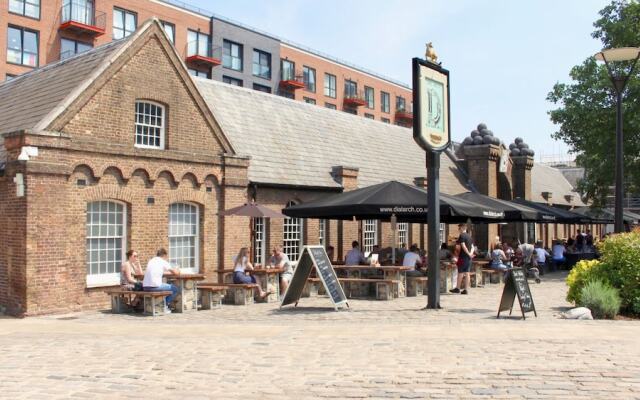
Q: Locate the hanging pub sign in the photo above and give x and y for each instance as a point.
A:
(431, 119)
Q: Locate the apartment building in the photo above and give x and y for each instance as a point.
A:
(39, 32)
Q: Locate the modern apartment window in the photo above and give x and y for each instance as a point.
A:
(184, 237)
(330, 85)
(9, 77)
(261, 64)
(287, 94)
(322, 232)
(292, 236)
(401, 103)
(385, 120)
(350, 89)
(22, 46)
(124, 23)
(309, 100)
(198, 73)
(309, 78)
(82, 11)
(368, 96)
(232, 55)
(170, 30)
(28, 8)
(369, 234)
(370, 116)
(149, 125)
(69, 48)
(403, 229)
(385, 102)
(288, 69)
(198, 43)
(232, 81)
(261, 88)
(258, 240)
(105, 241)
(350, 110)
(331, 106)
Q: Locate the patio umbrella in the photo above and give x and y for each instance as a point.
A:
(253, 210)
(562, 216)
(408, 203)
(512, 211)
(606, 216)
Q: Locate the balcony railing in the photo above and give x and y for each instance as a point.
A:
(292, 79)
(202, 54)
(81, 17)
(353, 98)
(405, 113)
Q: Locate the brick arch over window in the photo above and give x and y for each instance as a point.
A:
(189, 195)
(107, 192)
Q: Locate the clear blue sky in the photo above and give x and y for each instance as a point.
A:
(504, 56)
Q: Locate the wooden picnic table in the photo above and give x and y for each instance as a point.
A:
(389, 272)
(270, 280)
(187, 298)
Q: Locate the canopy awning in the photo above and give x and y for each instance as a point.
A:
(512, 211)
(562, 216)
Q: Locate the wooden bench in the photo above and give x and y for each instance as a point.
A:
(492, 276)
(236, 293)
(211, 296)
(416, 285)
(154, 302)
(384, 287)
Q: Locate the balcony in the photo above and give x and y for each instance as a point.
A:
(404, 114)
(292, 80)
(203, 55)
(81, 18)
(354, 99)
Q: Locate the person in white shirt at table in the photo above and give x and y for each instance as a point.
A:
(412, 259)
(355, 256)
(280, 260)
(152, 281)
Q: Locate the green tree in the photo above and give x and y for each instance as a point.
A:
(586, 113)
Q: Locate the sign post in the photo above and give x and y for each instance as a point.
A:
(431, 131)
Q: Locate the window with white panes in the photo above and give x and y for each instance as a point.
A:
(292, 236)
(258, 240)
(330, 85)
(322, 232)
(443, 233)
(184, 236)
(124, 23)
(106, 240)
(403, 233)
(149, 125)
(369, 234)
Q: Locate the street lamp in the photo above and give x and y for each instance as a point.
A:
(619, 80)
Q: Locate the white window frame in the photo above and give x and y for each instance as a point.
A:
(258, 240)
(403, 233)
(369, 234)
(292, 227)
(442, 233)
(322, 232)
(196, 246)
(143, 124)
(109, 279)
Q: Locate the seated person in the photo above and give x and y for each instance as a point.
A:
(355, 256)
(241, 265)
(129, 269)
(330, 252)
(152, 281)
(508, 250)
(497, 258)
(412, 259)
(541, 256)
(280, 260)
(444, 253)
(558, 251)
(527, 260)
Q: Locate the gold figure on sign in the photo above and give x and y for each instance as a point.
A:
(430, 54)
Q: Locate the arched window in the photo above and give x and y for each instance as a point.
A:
(106, 241)
(150, 124)
(184, 237)
(292, 236)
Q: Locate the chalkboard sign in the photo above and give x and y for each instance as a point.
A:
(517, 285)
(314, 257)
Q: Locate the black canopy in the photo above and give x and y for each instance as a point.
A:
(408, 203)
(562, 216)
(512, 211)
(607, 216)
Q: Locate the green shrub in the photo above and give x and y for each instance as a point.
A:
(620, 261)
(583, 272)
(602, 299)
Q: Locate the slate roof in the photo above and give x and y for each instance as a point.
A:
(294, 143)
(27, 99)
(548, 179)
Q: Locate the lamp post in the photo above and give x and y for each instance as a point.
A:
(619, 80)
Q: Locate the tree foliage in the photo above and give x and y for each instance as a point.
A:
(586, 113)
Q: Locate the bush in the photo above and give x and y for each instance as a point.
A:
(620, 260)
(582, 273)
(602, 299)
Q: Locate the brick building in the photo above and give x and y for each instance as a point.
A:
(120, 148)
(38, 32)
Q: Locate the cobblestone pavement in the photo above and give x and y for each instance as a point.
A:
(378, 349)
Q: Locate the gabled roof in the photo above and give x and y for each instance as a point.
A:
(547, 179)
(295, 143)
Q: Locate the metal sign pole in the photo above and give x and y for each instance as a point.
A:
(433, 223)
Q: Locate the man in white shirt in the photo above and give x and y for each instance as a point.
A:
(152, 282)
(355, 256)
(412, 259)
(280, 260)
(541, 255)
